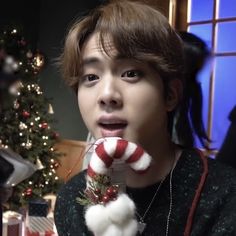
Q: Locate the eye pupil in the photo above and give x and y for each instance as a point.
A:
(92, 77)
(131, 73)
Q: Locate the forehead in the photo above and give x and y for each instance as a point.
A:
(93, 46)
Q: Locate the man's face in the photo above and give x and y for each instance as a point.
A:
(120, 97)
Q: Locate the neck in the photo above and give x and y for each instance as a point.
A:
(161, 165)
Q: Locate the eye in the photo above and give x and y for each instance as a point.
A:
(90, 77)
(132, 74)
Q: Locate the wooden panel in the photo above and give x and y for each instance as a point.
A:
(181, 15)
(72, 160)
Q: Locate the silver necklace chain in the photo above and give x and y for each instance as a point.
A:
(141, 218)
(171, 203)
(141, 223)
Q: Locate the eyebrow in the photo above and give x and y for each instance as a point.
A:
(90, 61)
(94, 60)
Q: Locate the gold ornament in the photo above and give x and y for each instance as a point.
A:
(38, 62)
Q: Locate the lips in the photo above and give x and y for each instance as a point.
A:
(112, 126)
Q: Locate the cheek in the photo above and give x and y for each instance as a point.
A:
(149, 107)
(148, 99)
(84, 105)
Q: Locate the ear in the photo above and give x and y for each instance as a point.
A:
(174, 94)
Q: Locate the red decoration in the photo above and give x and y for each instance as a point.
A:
(99, 191)
(25, 114)
(2, 54)
(28, 192)
(44, 125)
(55, 135)
(46, 233)
(112, 192)
(56, 165)
(105, 199)
(22, 42)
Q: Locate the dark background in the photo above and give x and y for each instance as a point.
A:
(44, 24)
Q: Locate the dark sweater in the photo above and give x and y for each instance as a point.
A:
(215, 214)
(227, 152)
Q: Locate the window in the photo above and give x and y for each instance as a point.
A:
(215, 22)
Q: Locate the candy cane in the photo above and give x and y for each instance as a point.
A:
(115, 215)
(110, 148)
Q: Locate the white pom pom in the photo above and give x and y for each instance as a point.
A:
(121, 210)
(131, 228)
(113, 230)
(97, 219)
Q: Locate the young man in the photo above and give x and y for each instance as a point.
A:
(125, 63)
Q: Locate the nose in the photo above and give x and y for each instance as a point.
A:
(110, 94)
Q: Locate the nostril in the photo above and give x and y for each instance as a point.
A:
(113, 102)
(110, 102)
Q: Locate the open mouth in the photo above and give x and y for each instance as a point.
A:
(112, 126)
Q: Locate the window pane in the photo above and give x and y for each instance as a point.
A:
(224, 98)
(227, 8)
(204, 31)
(200, 10)
(225, 41)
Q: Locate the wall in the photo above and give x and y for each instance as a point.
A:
(23, 14)
(55, 17)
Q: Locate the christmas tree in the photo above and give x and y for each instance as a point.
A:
(26, 118)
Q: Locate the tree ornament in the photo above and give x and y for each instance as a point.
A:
(39, 164)
(38, 62)
(2, 54)
(55, 135)
(22, 126)
(29, 54)
(28, 144)
(28, 192)
(22, 42)
(25, 114)
(55, 165)
(44, 125)
(16, 104)
(10, 65)
(50, 109)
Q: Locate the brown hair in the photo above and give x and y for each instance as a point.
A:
(138, 31)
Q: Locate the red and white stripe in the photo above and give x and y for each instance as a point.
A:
(111, 148)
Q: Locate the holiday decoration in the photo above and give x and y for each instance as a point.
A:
(39, 221)
(40, 225)
(38, 62)
(12, 224)
(22, 169)
(38, 207)
(26, 124)
(109, 211)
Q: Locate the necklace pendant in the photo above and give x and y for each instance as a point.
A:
(141, 226)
